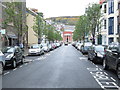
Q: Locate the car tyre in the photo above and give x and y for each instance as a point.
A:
(22, 61)
(14, 64)
(1, 68)
(118, 71)
(88, 57)
(105, 66)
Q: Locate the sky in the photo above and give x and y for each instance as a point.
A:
(55, 8)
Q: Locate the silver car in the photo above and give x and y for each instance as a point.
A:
(2, 62)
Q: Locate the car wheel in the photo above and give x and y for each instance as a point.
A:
(88, 57)
(1, 68)
(14, 64)
(118, 71)
(105, 66)
(22, 61)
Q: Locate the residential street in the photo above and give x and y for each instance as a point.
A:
(64, 67)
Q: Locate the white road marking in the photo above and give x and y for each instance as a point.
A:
(105, 73)
(26, 64)
(103, 79)
(113, 79)
(14, 69)
(100, 69)
(96, 66)
(6, 73)
(48, 54)
(21, 66)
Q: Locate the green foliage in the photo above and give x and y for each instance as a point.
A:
(13, 14)
(81, 29)
(88, 23)
(94, 14)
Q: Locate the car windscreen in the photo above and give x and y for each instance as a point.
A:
(44, 45)
(34, 47)
(99, 48)
(117, 48)
(86, 47)
(8, 50)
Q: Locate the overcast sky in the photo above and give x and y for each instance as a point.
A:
(55, 8)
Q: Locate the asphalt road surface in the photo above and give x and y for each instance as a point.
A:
(64, 67)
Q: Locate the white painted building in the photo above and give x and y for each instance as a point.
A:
(110, 26)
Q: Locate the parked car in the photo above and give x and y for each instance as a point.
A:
(53, 46)
(73, 44)
(79, 46)
(45, 47)
(112, 58)
(13, 56)
(58, 44)
(85, 47)
(65, 43)
(96, 53)
(50, 47)
(2, 62)
(35, 49)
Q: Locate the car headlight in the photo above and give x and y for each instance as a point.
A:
(99, 55)
(9, 56)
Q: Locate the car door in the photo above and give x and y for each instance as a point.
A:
(114, 57)
(90, 52)
(110, 56)
(16, 54)
(93, 52)
(19, 54)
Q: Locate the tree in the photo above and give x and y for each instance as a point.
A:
(93, 13)
(81, 29)
(38, 27)
(14, 14)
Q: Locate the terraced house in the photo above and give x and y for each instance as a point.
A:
(14, 23)
(110, 21)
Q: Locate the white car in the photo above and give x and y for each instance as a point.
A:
(2, 62)
(79, 46)
(36, 49)
(58, 44)
(45, 47)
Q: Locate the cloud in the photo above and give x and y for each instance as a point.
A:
(54, 8)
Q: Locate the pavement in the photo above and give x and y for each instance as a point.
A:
(64, 67)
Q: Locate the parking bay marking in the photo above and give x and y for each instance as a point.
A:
(83, 58)
(103, 79)
(6, 73)
(14, 69)
(41, 58)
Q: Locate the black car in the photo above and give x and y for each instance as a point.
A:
(96, 53)
(13, 56)
(112, 58)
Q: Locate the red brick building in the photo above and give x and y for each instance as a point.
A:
(67, 36)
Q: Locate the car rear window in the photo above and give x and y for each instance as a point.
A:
(99, 48)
